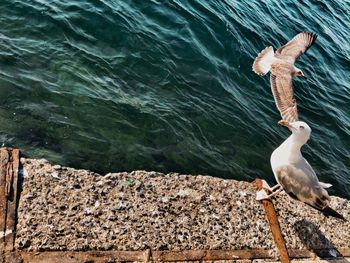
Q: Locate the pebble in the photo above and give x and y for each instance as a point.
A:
(57, 167)
(54, 174)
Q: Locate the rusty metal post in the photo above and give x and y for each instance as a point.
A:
(274, 226)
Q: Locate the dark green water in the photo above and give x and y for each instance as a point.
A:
(168, 86)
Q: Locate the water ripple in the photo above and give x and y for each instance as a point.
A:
(167, 85)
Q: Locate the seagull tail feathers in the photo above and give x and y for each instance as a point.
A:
(327, 211)
(262, 63)
(325, 185)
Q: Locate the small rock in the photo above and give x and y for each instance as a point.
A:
(57, 167)
(129, 182)
(100, 183)
(165, 199)
(87, 211)
(55, 174)
(28, 196)
(243, 193)
(183, 192)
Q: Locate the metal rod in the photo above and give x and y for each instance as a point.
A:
(274, 226)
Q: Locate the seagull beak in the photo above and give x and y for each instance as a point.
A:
(285, 123)
(302, 74)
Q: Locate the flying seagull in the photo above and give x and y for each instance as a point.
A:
(281, 65)
(295, 175)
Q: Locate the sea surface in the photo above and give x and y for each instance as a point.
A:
(113, 85)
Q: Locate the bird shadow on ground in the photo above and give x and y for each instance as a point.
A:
(315, 241)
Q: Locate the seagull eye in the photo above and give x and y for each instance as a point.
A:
(301, 127)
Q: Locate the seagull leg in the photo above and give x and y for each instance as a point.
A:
(261, 195)
(275, 193)
(266, 186)
(275, 187)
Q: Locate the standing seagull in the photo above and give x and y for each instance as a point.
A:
(295, 175)
(281, 65)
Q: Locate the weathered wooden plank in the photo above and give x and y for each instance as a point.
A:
(140, 256)
(11, 257)
(345, 251)
(274, 226)
(319, 253)
(88, 256)
(209, 255)
(300, 253)
(160, 256)
(4, 159)
(12, 198)
(9, 166)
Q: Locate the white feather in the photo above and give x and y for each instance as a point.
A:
(325, 185)
(263, 61)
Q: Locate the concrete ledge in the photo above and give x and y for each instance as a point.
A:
(66, 214)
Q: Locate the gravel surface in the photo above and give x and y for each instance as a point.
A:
(67, 209)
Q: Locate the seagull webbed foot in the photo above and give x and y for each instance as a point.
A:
(262, 194)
